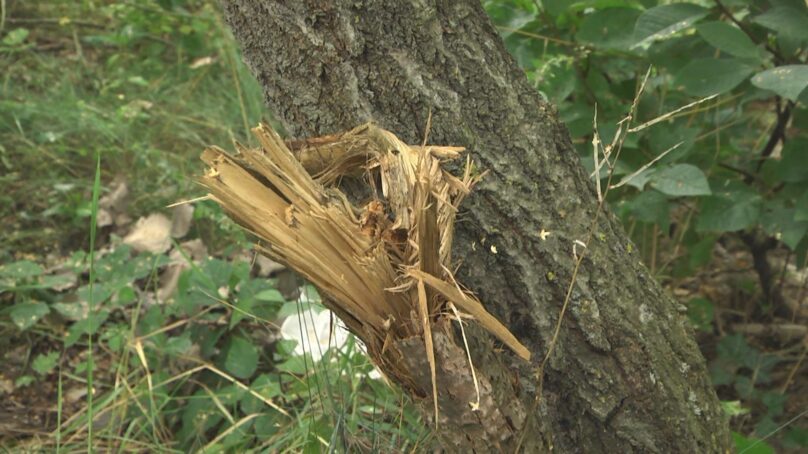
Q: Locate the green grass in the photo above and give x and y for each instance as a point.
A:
(133, 96)
(91, 306)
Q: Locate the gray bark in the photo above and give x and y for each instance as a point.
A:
(626, 374)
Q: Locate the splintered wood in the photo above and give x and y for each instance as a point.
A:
(383, 268)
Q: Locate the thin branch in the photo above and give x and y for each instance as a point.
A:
(538, 36)
(642, 169)
(53, 21)
(778, 133)
(748, 176)
(670, 114)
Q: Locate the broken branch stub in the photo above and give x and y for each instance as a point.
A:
(383, 267)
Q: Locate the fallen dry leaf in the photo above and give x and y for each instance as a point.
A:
(150, 234)
(113, 205)
(181, 217)
(267, 266)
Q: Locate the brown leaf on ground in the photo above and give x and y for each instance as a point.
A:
(150, 234)
(112, 205)
(181, 217)
(267, 266)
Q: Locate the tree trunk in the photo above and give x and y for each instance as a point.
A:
(626, 374)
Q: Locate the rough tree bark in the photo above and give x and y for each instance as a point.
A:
(626, 374)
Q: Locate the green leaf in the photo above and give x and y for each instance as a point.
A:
(764, 364)
(796, 437)
(609, 28)
(512, 15)
(270, 295)
(179, 344)
(701, 312)
(556, 7)
(556, 79)
(267, 386)
(100, 293)
(765, 425)
(88, 325)
(651, 206)
(786, 20)
(780, 222)
(734, 349)
(16, 37)
(751, 445)
(729, 39)
(774, 401)
(701, 252)
(20, 270)
(729, 211)
(791, 168)
(680, 180)
(24, 315)
(638, 181)
(124, 296)
(241, 358)
(258, 298)
(801, 212)
(660, 139)
(217, 273)
(116, 336)
(241, 309)
(787, 81)
(710, 76)
(733, 408)
(23, 381)
(58, 281)
(297, 365)
(71, 311)
(663, 21)
(45, 363)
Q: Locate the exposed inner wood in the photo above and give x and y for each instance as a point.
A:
(385, 267)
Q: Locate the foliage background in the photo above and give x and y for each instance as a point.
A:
(721, 219)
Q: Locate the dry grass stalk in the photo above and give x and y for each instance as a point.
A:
(384, 267)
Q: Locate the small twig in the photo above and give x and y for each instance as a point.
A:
(796, 367)
(785, 331)
(778, 429)
(760, 251)
(803, 289)
(474, 405)
(643, 168)
(669, 114)
(428, 127)
(185, 202)
(52, 21)
(747, 175)
(538, 36)
(595, 152)
(778, 133)
(781, 282)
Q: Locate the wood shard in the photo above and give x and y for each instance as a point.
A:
(382, 268)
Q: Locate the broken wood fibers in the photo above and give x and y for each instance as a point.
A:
(385, 268)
